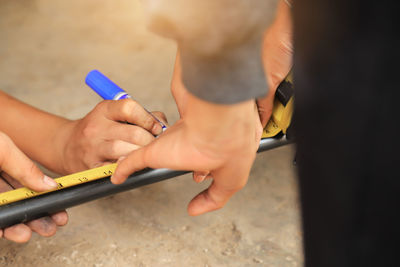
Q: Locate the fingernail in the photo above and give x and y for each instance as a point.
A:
(157, 128)
(200, 178)
(114, 180)
(50, 182)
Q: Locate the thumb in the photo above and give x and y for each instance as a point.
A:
(20, 167)
(213, 198)
(227, 181)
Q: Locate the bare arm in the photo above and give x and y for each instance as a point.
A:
(63, 146)
(34, 131)
(66, 146)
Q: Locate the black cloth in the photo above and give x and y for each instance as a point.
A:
(346, 121)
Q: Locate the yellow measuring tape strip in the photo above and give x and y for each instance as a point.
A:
(63, 182)
(279, 122)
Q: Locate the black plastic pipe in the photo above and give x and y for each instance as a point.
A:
(50, 203)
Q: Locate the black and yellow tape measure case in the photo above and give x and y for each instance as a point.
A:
(282, 112)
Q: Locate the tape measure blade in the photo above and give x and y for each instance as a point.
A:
(86, 176)
(63, 182)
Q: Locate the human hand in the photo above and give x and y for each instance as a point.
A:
(17, 170)
(277, 57)
(220, 138)
(181, 95)
(100, 138)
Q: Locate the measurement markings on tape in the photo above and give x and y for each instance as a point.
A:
(63, 182)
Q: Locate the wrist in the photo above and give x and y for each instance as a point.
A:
(215, 125)
(62, 146)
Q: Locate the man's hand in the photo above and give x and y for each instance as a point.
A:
(100, 137)
(220, 138)
(277, 57)
(18, 170)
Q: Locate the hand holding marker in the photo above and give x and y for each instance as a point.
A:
(108, 90)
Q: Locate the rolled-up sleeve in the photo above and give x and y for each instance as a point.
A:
(220, 43)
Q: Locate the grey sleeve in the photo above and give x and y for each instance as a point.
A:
(220, 43)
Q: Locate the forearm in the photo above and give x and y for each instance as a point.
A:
(34, 131)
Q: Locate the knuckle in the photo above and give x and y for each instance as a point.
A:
(135, 136)
(145, 138)
(102, 105)
(140, 140)
(127, 106)
(89, 131)
(136, 110)
(113, 149)
(148, 122)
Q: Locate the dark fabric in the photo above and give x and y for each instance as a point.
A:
(233, 75)
(346, 121)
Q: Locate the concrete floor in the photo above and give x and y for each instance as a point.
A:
(46, 49)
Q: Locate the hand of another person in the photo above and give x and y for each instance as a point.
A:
(100, 138)
(222, 139)
(180, 95)
(277, 57)
(17, 170)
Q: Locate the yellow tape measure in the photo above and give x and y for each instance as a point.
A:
(282, 112)
(63, 182)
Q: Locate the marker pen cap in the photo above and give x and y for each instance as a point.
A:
(104, 87)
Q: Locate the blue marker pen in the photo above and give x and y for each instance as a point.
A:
(108, 90)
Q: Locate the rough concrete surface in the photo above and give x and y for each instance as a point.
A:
(46, 49)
